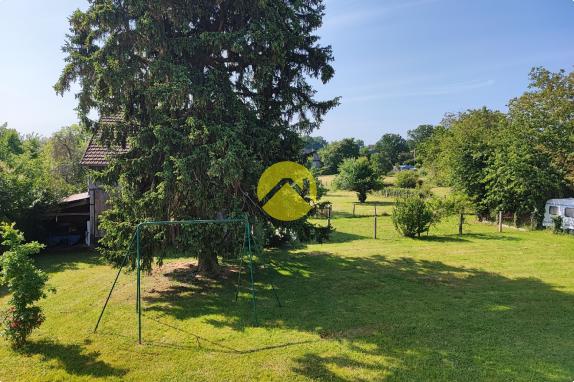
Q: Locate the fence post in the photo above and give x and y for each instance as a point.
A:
(499, 221)
(329, 216)
(461, 222)
(375, 227)
(354, 209)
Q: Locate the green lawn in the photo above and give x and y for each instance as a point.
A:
(487, 307)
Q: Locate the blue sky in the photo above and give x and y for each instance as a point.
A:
(399, 63)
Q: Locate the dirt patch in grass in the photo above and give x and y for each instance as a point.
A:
(175, 278)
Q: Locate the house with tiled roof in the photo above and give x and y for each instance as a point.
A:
(97, 157)
(76, 219)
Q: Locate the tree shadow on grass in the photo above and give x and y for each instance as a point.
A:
(74, 359)
(418, 313)
(359, 214)
(491, 236)
(420, 320)
(207, 344)
(466, 237)
(344, 237)
(442, 238)
(60, 261)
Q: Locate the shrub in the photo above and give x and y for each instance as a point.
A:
(25, 282)
(557, 227)
(357, 175)
(413, 215)
(407, 179)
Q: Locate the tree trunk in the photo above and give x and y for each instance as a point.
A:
(208, 265)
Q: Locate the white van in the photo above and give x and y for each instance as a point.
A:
(559, 207)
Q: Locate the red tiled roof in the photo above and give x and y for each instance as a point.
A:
(97, 155)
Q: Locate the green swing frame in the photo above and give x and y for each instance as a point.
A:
(247, 240)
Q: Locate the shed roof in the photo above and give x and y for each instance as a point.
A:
(76, 197)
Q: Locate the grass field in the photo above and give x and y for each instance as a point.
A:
(484, 307)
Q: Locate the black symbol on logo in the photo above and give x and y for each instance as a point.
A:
(303, 192)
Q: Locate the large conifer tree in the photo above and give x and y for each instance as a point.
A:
(209, 93)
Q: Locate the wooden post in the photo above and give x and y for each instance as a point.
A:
(375, 227)
(329, 216)
(375, 209)
(354, 209)
(461, 222)
(499, 221)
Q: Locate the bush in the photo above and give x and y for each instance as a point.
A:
(25, 282)
(557, 227)
(357, 175)
(413, 215)
(407, 179)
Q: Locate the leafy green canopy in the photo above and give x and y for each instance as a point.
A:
(336, 152)
(511, 162)
(393, 148)
(313, 143)
(380, 163)
(419, 135)
(545, 114)
(210, 94)
(35, 173)
(64, 151)
(357, 175)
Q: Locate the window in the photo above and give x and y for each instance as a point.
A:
(569, 212)
(553, 210)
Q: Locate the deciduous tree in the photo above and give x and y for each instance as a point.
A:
(391, 146)
(336, 152)
(357, 175)
(64, 151)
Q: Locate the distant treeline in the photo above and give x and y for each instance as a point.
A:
(511, 161)
(36, 172)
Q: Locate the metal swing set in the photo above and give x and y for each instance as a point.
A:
(137, 237)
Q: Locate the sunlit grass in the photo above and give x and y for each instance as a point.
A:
(484, 307)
